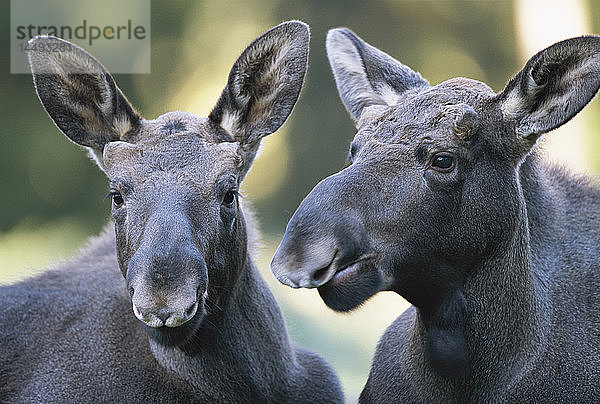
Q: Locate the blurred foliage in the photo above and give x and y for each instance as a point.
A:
(52, 197)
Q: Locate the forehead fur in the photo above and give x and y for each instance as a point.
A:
(177, 123)
(424, 111)
(174, 142)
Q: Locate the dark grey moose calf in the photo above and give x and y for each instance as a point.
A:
(447, 203)
(210, 330)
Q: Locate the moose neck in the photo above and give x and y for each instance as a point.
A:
(496, 317)
(505, 315)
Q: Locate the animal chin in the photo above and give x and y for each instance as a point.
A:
(351, 286)
(176, 336)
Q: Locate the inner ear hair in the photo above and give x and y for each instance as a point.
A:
(79, 94)
(366, 76)
(553, 87)
(264, 84)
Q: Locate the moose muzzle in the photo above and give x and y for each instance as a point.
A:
(167, 281)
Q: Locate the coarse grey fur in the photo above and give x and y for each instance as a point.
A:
(447, 203)
(207, 329)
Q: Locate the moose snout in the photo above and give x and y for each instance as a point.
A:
(167, 290)
(156, 315)
(320, 240)
(297, 267)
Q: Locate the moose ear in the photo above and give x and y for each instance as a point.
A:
(365, 75)
(553, 87)
(264, 84)
(79, 94)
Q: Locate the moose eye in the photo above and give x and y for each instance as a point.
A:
(229, 199)
(117, 199)
(442, 162)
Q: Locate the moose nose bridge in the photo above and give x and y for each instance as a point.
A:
(169, 243)
(168, 252)
(168, 228)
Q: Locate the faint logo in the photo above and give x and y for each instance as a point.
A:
(116, 32)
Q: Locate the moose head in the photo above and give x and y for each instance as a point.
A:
(432, 190)
(180, 230)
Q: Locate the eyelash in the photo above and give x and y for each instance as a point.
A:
(114, 194)
(235, 194)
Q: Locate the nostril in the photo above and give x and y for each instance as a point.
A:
(149, 318)
(191, 310)
(131, 291)
(320, 274)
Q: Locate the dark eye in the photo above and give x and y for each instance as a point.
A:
(442, 162)
(229, 199)
(117, 199)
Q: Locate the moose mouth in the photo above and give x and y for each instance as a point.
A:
(351, 285)
(174, 336)
(345, 274)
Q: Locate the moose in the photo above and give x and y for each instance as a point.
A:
(193, 321)
(447, 201)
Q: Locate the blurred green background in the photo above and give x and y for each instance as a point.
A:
(52, 196)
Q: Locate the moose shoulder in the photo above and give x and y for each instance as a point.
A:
(447, 203)
(167, 307)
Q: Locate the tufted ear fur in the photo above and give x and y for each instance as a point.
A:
(553, 87)
(263, 86)
(79, 94)
(365, 75)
